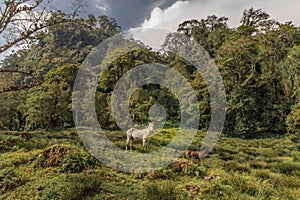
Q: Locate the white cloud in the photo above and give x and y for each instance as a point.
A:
(152, 37)
(168, 17)
(198, 9)
(101, 5)
(180, 11)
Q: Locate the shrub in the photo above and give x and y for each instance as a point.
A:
(67, 159)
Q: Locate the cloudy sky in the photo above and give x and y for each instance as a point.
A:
(169, 13)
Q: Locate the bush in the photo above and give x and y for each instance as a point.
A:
(67, 159)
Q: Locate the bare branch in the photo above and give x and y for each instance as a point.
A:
(20, 21)
(28, 34)
(25, 18)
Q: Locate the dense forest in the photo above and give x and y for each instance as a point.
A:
(259, 61)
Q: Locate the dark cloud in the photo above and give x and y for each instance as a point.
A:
(130, 13)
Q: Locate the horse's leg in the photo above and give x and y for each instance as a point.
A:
(127, 142)
(130, 142)
(144, 143)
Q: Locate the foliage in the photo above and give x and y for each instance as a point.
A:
(51, 66)
(293, 120)
(258, 60)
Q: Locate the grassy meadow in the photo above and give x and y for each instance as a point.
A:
(55, 165)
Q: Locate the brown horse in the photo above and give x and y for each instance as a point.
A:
(197, 154)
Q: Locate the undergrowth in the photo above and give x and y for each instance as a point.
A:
(55, 165)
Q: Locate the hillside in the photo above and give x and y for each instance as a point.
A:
(54, 165)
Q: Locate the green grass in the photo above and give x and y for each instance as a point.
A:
(55, 165)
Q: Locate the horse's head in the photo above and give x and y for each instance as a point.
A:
(150, 126)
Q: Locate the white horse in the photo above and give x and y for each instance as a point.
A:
(143, 134)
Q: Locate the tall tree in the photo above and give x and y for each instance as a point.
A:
(291, 74)
(210, 32)
(49, 68)
(21, 21)
(237, 60)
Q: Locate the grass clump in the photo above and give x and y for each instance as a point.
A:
(74, 186)
(10, 143)
(10, 180)
(66, 159)
(161, 191)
